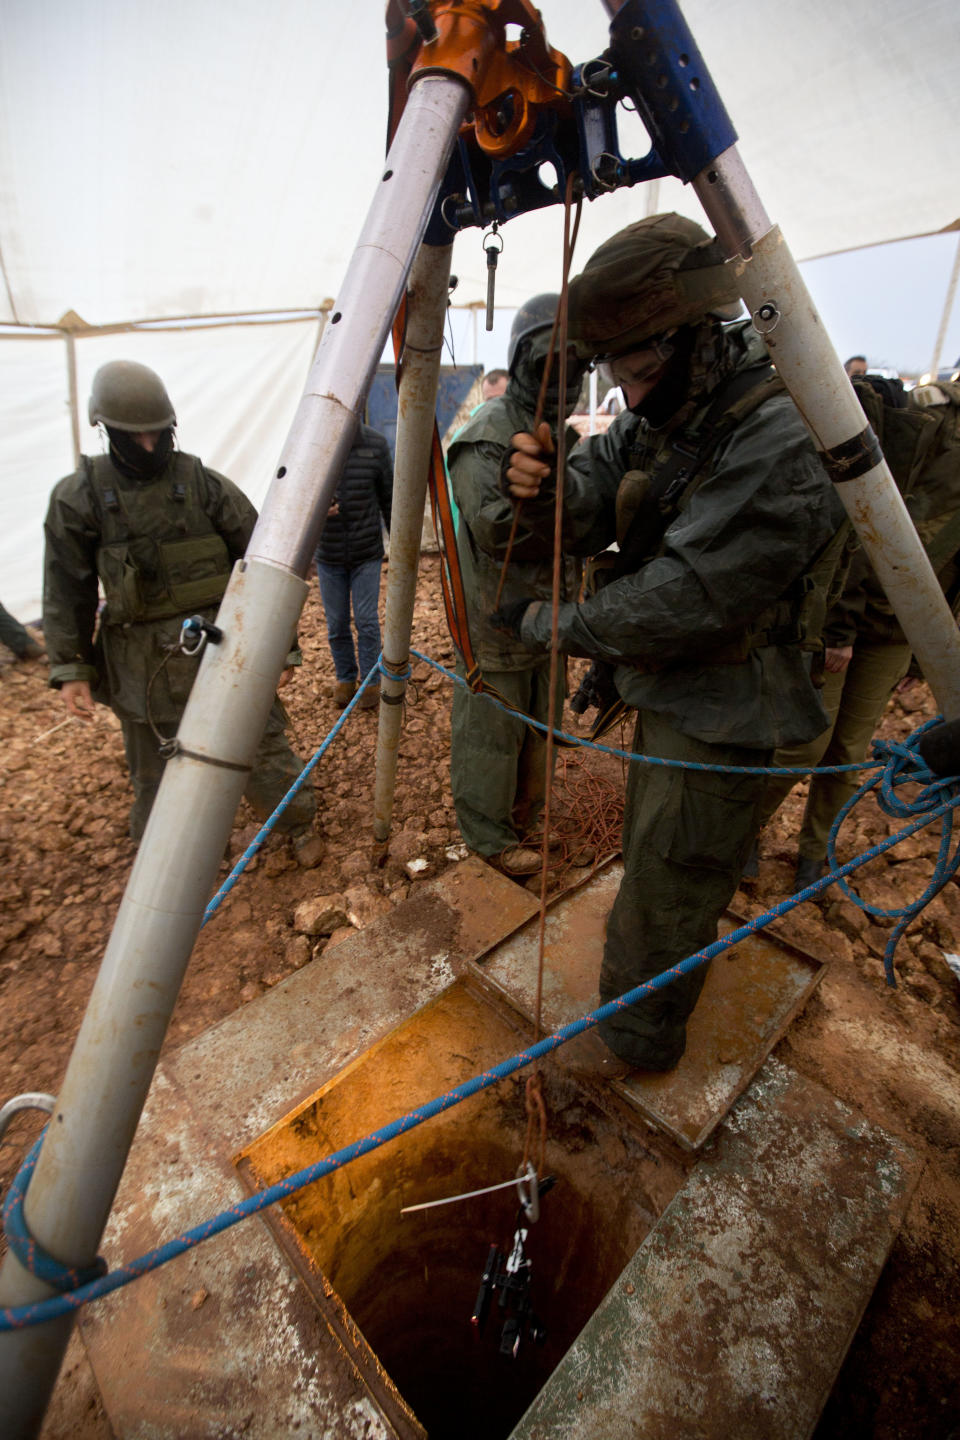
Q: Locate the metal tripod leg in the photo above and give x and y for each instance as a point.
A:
(422, 348)
(109, 1074)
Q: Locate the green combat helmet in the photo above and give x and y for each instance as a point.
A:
(660, 273)
(129, 396)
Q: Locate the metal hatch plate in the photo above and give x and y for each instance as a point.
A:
(750, 996)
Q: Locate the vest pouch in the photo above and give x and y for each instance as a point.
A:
(194, 571)
(122, 585)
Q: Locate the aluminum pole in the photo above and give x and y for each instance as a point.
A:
(416, 410)
(113, 1060)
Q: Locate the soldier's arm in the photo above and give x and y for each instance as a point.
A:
(70, 585)
(231, 512)
(749, 531)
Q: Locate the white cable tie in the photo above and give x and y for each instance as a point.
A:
(452, 1199)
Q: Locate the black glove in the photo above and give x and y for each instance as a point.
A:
(509, 618)
(596, 689)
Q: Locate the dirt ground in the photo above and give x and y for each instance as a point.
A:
(892, 1054)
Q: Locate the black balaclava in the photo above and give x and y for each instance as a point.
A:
(702, 357)
(527, 373)
(132, 460)
(673, 388)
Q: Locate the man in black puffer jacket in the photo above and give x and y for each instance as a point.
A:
(349, 559)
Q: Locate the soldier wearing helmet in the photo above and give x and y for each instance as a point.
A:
(159, 533)
(728, 532)
(496, 760)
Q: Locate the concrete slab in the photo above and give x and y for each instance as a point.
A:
(735, 1314)
(225, 1340)
(750, 996)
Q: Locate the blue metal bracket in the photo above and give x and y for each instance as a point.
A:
(653, 65)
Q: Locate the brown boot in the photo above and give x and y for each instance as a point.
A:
(370, 698)
(343, 692)
(518, 860)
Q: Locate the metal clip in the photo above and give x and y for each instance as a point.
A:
(195, 632)
(766, 318)
(493, 249)
(529, 1196)
(32, 1100)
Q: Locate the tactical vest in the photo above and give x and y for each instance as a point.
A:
(660, 485)
(159, 553)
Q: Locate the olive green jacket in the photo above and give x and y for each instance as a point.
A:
(746, 533)
(134, 667)
(486, 515)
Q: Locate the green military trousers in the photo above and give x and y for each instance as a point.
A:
(686, 834)
(498, 763)
(275, 768)
(854, 699)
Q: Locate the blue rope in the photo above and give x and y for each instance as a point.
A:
(796, 770)
(258, 840)
(40, 1312)
(903, 765)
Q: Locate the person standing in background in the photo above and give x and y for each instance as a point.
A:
(349, 560)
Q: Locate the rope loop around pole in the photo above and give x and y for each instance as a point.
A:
(30, 1253)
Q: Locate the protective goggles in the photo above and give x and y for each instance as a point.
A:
(637, 365)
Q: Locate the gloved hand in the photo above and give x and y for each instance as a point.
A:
(509, 618)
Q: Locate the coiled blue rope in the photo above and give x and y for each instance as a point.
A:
(23, 1316)
(903, 765)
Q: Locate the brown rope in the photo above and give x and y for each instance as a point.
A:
(569, 241)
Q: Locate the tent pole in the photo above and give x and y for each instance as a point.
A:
(416, 409)
(947, 312)
(784, 314)
(112, 1064)
(74, 399)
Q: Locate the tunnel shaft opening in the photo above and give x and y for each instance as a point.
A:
(410, 1282)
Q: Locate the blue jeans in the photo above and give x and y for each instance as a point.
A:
(339, 586)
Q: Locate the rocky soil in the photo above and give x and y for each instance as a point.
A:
(892, 1054)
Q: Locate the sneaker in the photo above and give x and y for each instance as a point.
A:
(343, 692)
(518, 860)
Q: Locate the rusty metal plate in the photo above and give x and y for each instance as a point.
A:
(734, 1316)
(266, 1056)
(225, 1340)
(750, 996)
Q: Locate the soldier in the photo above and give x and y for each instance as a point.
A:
(867, 654)
(496, 761)
(728, 528)
(160, 533)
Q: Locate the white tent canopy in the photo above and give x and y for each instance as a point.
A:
(210, 159)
